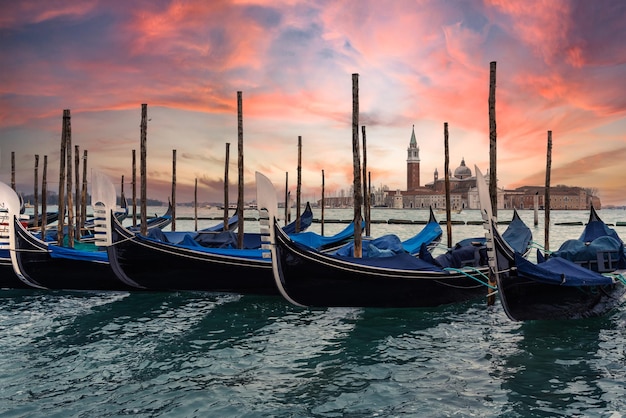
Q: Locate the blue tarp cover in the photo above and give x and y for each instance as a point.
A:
(400, 261)
(576, 250)
(306, 218)
(559, 271)
(220, 226)
(596, 229)
(75, 254)
(428, 234)
(317, 241)
(255, 254)
(385, 246)
(518, 235)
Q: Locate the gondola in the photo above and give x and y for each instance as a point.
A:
(599, 247)
(307, 277)
(554, 289)
(148, 263)
(45, 265)
(40, 264)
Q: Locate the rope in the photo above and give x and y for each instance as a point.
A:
(618, 277)
(465, 273)
(534, 244)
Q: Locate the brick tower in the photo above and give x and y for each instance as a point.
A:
(413, 164)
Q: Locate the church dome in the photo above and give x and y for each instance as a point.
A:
(462, 171)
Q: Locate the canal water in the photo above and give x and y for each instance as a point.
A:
(200, 354)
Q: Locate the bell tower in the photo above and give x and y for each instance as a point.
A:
(413, 164)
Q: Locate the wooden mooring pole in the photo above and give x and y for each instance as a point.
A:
(299, 184)
(13, 170)
(493, 178)
(44, 197)
(323, 205)
(83, 197)
(195, 205)
(61, 203)
(134, 168)
(356, 160)
(240, 229)
(446, 169)
(70, 198)
(36, 205)
(366, 199)
(143, 228)
(226, 165)
(173, 225)
(546, 199)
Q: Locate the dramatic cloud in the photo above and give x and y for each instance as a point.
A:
(420, 62)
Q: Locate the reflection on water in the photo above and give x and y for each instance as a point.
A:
(555, 369)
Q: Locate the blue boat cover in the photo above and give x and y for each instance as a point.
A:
(385, 246)
(559, 271)
(518, 235)
(399, 261)
(428, 234)
(577, 250)
(77, 254)
(596, 229)
(458, 257)
(254, 254)
(317, 241)
(306, 218)
(220, 226)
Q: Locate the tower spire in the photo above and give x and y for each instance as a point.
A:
(413, 163)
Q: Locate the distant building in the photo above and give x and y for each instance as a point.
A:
(463, 191)
(464, 195)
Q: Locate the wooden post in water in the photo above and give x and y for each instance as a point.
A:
(366, 198)
(323, 205)
(173, 227)
(83, 196)
(240, 186)
(286, 198)
(143, 228)
(134, 163)
(36, 206)
(446, 169)
(547, 194)
(44, 197)
(536, 208)
(77, 191)
(70, 203)
(369, 201)
(493, 178)
(13, 170)
(299, 184)
(195, 204)
(61, 220)
(226, 163)
(356, 161)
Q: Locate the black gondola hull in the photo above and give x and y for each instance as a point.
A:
(310, 278)
(36, 264)
(153, 265)
(526, 299)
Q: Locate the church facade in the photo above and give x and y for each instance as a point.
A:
(433, 193)
(464, 195)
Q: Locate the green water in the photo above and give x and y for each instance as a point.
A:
(192, 354)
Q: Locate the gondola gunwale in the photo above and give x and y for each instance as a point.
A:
(124, 240)
(30, 251)
(353, 265)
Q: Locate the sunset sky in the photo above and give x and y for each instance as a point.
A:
(561, 67)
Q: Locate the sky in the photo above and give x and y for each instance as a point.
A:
(560, 67)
